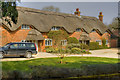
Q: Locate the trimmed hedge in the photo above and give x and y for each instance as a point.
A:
(49, 72)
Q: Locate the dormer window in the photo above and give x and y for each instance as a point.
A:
(106, 32)
(25, 27)
(78, 30)
(55, 28)
(93, 30)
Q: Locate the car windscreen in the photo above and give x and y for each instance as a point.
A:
(6, 46)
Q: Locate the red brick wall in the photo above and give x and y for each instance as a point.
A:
(94, 36)
(76, 35)
(15, 36)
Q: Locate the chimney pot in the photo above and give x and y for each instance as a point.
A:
(100, 16)
(77, 12)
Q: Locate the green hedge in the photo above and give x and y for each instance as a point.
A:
(95, 46)
(49, 72)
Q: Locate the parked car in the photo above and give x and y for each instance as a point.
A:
(19, 49)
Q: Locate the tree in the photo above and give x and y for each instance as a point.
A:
(9, 10)
(56, 37)
(51, 8)
(114, 24)
(72, 40)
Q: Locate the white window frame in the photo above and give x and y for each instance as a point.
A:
(63, 42)
(55, 28)
(25, 27)
(49, 42)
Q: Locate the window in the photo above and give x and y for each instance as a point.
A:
(14, 46)
(78, 29)
(30, 45)
(106, 42)
(55, 28)
(63, 42)
(48, 42)
(25, 27)
(99, 41)
(93, 30)
(22, 46)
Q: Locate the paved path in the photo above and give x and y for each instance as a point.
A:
(110, 53)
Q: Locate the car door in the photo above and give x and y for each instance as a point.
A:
(12, 49)
(21, 49)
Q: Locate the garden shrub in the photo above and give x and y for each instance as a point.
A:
(76, 50)
(84, 46)
(50, 72)
(72, 40)
(94, 45)
(103, 41)
(70, 46)
(51, 50)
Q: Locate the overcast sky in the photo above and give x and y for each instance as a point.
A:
(109, 9)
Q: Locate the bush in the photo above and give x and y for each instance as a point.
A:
(51, 50)
(103, 42)
(76, 50)
(72, 40)
(84, 46)
(94, 45)
(70, 46)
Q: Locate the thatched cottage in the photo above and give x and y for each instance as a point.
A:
(33, 26)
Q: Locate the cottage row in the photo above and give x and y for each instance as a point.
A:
(33, 26)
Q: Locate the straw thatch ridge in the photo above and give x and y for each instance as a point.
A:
(43, 21)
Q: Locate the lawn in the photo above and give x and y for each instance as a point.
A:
(69, 62)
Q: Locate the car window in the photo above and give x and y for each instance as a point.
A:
(22, 45)
(6, 46)
(31, 45)
(14, 46)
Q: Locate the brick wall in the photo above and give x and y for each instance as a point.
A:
(15, 36)
(94, 36)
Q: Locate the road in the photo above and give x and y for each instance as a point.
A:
(110, 53)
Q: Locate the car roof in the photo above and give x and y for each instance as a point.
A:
(20, 42)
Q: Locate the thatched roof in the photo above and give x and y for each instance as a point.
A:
(43, 21)
(34, 35)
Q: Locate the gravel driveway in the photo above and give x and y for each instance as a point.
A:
(110, 53)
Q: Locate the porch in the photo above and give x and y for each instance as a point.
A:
(37, 38)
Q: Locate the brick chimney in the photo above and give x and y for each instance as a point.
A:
(100, 16)
(77, 12)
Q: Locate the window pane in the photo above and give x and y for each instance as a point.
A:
(14, 46)
(22, 45)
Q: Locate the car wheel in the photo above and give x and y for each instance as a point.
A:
(28, 55)
(1, 55)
